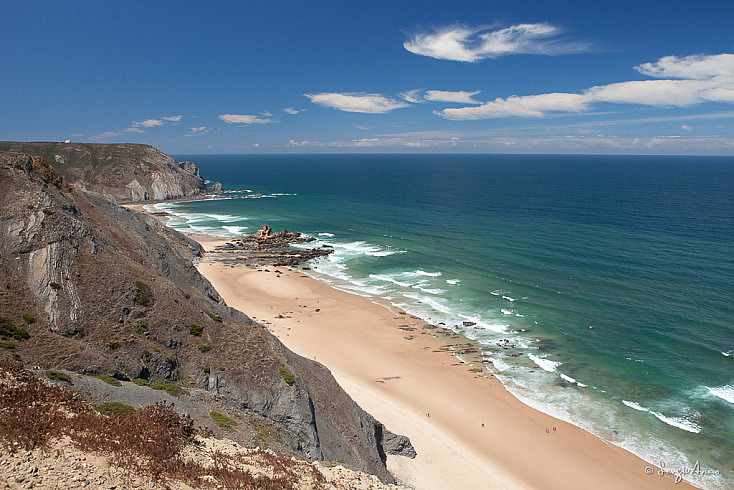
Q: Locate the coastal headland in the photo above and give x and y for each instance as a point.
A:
(467, 429)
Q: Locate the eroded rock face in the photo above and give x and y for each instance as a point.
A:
(115, 292)
(120, 172)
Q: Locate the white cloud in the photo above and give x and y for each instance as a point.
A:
(350, 102)
(104, 136)
(686, 127)
(291, 111)
(133, 130)
(459, 96)
(461, 43)
(152, 123)
(694, 67)
(527, 106)
(412, 96)
(244, 119)
(197, 131)
(148, 123)
(710, 79)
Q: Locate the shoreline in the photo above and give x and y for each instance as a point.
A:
(466, 427)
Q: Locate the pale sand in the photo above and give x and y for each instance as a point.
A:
(400, 381)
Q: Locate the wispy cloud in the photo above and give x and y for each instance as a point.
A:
(459, 96)
(152, 123)
(356, 102)
(462, 43)
(694, 80)
(245, 119)
(291, 111)
(197, 131)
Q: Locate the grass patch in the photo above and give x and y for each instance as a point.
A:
(214, 317)
(109, 380)
(115, 409)
(8, 330)
(287, 376)
(142, 382)
(222, 420)
(28, 318)
(58, 376)
(475, 370)
(170, 388)
(143, 294)
(204, 347)
(195, 329)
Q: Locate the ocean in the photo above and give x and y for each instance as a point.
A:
(612, 277)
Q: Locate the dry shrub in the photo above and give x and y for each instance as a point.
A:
(149, 441)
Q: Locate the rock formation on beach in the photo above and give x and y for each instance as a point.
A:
(95, 289)
(119, 172)
(266, 247)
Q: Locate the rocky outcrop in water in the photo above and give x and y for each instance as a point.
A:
(119, 172)
(266, 247)
(102, 290)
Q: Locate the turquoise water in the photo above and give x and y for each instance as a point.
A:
(613, 277)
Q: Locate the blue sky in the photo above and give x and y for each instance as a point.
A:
(642, 77)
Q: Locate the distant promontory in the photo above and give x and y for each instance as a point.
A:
(119, 172)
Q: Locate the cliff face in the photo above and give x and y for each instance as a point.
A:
(105, 290)
(120, 172)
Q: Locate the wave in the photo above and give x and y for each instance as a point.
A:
(225, 218)
(567, 378)
(725, 392)
(428, 274)
(235, 230)
(453, 282)
(330, 235)
(544, 364)
(678, 422)
(390, 279)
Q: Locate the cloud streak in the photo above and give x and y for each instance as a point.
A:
(462, 43)
(692, 80)
(245, 119)
(356, 102)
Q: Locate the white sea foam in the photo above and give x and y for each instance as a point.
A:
(726, 354)
(506, 312)
(385, 278)
(453, 282)
(499, 364)
(429, 274)
(567, 378)
(543, 363)
(581, 385)
(226, 218)
(725, 392)
(511, 300)
(235, 230)
(678, 422)
(331, 235)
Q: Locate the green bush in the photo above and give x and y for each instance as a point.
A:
(7, 345)
(222, 420)
(195, 329)
(204, 347)
(214, 317)
(142, 382)
(54, 285)
(170, 388)
(143, 294)
(28, 318)
(48, 212)
(58, 376)
(187, 296)
(287, 376)
(109, 380)
(146, 354)
(206, 370)
(8, 330)
(115, 409)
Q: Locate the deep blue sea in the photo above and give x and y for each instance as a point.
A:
(613, 276)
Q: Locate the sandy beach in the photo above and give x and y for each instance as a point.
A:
(468, 430)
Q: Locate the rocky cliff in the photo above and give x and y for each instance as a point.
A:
(102, 290)
(119, 172)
